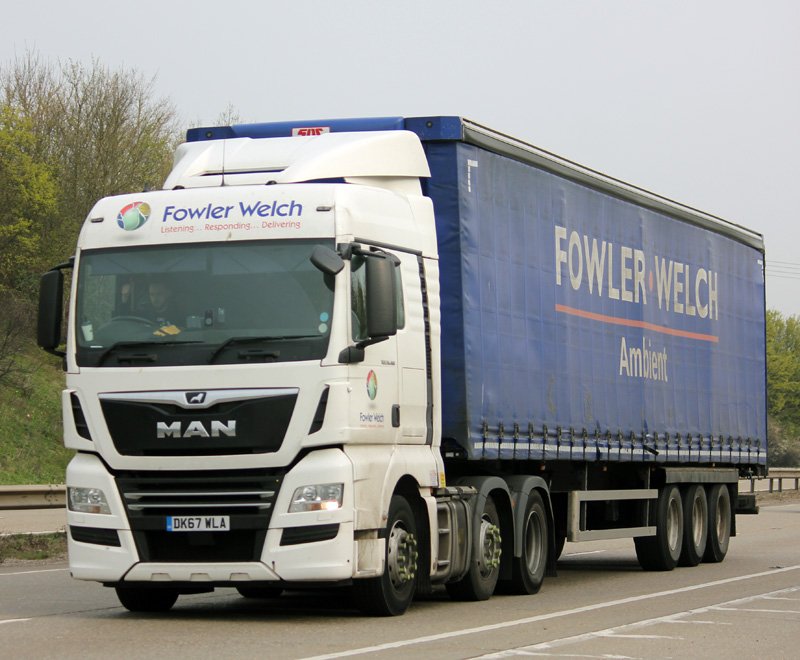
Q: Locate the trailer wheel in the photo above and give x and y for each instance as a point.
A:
(527, 571)
(719, 523)
(259, 593)
(662, 551)
(480, 581)
(695, 525)
(144, 599)
(391, 593)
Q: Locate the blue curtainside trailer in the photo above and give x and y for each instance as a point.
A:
(587, 320)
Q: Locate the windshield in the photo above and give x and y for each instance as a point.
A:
(219, 303)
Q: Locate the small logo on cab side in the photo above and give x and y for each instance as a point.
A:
(372, 385)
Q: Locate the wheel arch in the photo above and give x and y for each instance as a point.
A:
(498, 489)
(408, 487)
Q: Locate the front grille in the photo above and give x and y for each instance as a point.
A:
(164, 428)
(247, 498)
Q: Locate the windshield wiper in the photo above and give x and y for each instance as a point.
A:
(234, 341)
(146, 357)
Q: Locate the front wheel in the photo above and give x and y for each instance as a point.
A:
(480, 581)
(145, 599)
(391, 593)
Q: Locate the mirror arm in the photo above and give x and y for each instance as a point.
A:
(355, 353)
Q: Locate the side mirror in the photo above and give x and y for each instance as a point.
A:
(51, 311)
(381, 297)
(380, 302)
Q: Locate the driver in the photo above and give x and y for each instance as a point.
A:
(160, 305)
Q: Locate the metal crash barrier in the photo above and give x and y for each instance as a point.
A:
(33, 497)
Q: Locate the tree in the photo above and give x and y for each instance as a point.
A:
(783, 366)
(102, 132)
(783, 388)
(27, 202)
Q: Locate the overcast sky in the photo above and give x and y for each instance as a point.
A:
(698, 101)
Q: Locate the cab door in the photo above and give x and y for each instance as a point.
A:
(374, 376)
(392, 381)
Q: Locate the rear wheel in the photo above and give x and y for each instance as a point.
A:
(662, 551)
(528, 569)
(695, 525)
(480, 581)
(719, 523)
(145, 599)
(391, 593)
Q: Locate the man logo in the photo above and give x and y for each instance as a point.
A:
(195, 397)
(196, 429)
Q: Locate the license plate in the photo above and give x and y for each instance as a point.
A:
(198, 523)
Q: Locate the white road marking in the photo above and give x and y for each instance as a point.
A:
(614, 635)
(13, 621)
(44, 570)
(583, 554)
(746, 609)
(545, 617)
(611, 632)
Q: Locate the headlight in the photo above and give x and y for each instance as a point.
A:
(88, 500)
(320, 497)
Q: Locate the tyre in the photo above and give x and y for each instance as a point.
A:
(719, 523)
(695, 525)
(260, 593)
(480, 581)
(527, 571)
(145, 599)
(391, 593)
(662, 551)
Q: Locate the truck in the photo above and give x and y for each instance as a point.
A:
(398, 354)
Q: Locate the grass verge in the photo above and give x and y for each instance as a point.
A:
(31, 449)
(33, 546)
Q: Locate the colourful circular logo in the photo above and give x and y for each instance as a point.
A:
(372, 385)
(133, 216)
